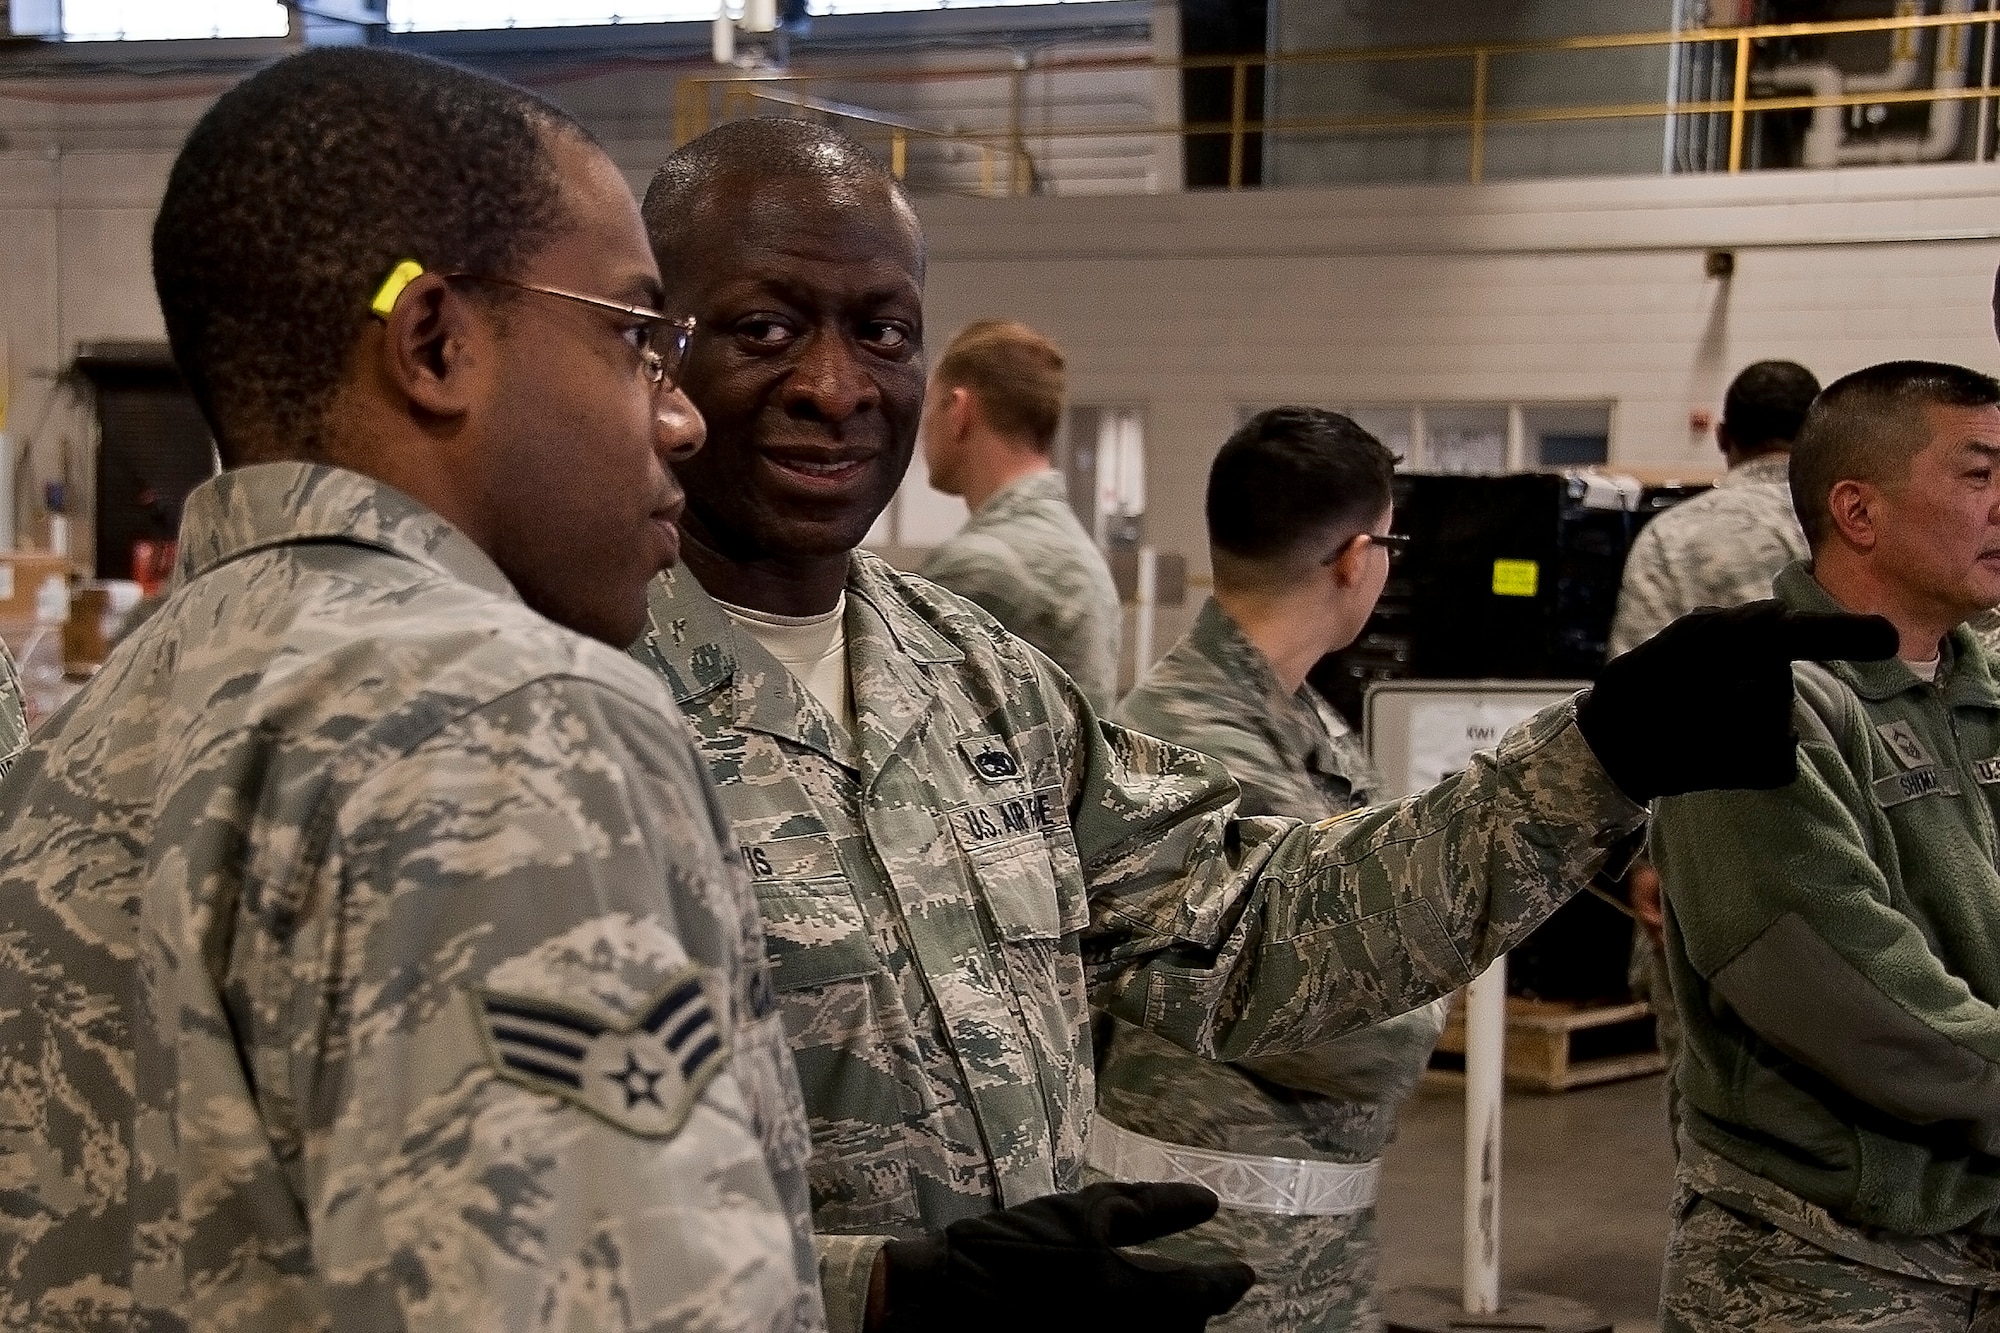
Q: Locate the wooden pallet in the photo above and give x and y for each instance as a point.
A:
(1552, 1047)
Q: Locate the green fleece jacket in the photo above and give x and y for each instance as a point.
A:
(1834, 947)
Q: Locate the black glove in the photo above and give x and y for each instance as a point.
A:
(1052, 1265)
(1706, 704)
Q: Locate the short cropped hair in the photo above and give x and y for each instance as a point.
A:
(297, 194)
(758, 146)
(1868, 426)
(1016, 374)
(1291, 477)
(1766, 404)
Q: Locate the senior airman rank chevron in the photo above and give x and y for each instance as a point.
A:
(642, 1076)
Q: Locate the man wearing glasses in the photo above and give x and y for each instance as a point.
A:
(955, 856)
(1298, 538)
(369, 959)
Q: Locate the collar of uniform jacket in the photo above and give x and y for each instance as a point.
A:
(1763, 470)
(276, 504)
(1290, 721)
(1964, 675)
(1025, 495)
(699, 648)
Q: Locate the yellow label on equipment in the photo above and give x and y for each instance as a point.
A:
(1516, 578)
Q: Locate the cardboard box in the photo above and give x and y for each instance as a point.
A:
(22, 574)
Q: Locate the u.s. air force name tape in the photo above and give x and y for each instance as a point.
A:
(642, 1076)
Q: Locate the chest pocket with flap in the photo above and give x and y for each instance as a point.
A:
(1008, 844)
(814, 933)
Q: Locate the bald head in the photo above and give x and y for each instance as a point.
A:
(691, 187)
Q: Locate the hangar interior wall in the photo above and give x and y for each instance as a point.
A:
(1191, 307)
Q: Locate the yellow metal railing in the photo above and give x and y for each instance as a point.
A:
(1007, 168)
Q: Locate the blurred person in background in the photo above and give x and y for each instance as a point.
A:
(1298, 531)
(990, 420)
(1720, 548)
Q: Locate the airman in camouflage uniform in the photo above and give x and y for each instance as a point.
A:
(991, 416)
(1291, 755)
(1720, 548)
(948, 888)
(369, 956)
(951, 882)
(13, 718)
(242, 1108)
(1026, 560)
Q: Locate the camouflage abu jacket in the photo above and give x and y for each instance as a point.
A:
(947, 890)
(13, 718)
(1291, 755)
(1025, 560)
(1721, 548)
(368, 962)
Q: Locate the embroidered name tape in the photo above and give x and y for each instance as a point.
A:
(642, 1076)
(1986, 770)
(1041, 812)
(1900, 787)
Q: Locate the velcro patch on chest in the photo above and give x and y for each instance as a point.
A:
(1906, 745)
(642, 1076)
(996, 821)
(990, 760)
(1900, 787)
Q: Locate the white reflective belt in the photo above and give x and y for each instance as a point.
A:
(1288, 1186)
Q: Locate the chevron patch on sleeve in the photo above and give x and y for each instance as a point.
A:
(642, 1076)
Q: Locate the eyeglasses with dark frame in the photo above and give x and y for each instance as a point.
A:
(664, 351)
(1395, 543)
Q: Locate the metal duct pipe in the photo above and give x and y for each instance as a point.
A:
(1940, 138)
(1826, 136)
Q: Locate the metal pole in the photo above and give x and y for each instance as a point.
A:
(1485, 1068)
(1239, 94)
(1016, 144)
(1674, 57)
(899, 152)
(1986, 82)
(1736, 101)
(1479, 62)
(1147, 598)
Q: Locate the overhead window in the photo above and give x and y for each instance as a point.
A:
(440, 15)
(144, 20)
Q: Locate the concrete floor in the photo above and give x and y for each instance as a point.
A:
(1586, 1178)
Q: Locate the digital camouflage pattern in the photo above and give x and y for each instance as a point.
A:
(1728, 1272)
(274, 891)
(1332, 1282)
(13, 717)
(948, 889)
(1746, 1253)
(1986, 628)
(1291, 755)
(1028, 563)
(1720, 548)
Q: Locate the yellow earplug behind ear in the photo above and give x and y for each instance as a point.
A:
(392, 286)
